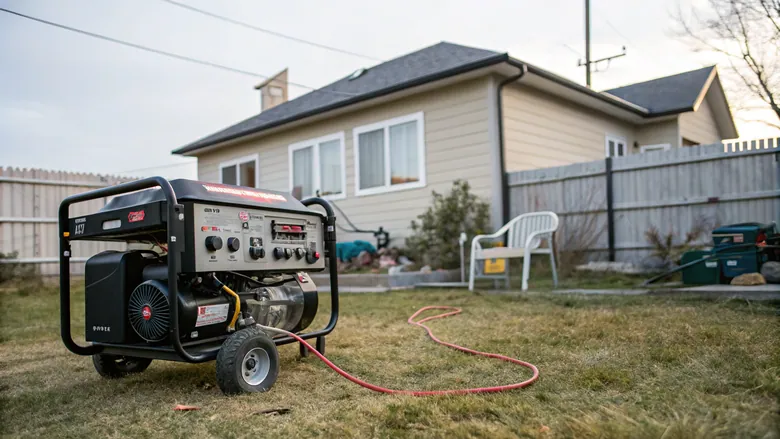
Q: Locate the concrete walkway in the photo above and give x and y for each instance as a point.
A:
(758, 292)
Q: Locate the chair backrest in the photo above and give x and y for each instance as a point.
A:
(521, 227)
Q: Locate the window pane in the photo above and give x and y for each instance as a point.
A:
(621, 149)
(404, 159)
(330, 168)
(611, 149)
(229, 175)
(248, 174)
(372, 159)
(303, 172)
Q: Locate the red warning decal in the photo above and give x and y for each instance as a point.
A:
(244, 193)
(134, 217)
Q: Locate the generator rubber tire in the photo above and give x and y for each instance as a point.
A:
(247, 362)
(118, 366)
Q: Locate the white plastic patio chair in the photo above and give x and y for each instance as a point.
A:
(526, 233)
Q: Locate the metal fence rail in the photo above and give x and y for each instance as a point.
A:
(622, 197)
(29, 199)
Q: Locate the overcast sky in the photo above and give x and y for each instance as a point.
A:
(72, 102)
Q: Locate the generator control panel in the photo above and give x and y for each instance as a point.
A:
(228, 238)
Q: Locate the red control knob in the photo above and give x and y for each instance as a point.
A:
(312, 256)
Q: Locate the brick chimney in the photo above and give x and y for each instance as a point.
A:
(273, 91)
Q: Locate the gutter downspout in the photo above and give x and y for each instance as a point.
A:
(504, 179)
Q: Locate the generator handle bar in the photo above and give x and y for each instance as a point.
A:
(174, 225)
(330, 253)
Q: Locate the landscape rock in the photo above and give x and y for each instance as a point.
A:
(386, 261)
(403, 260)
(395, 270)
(426, 269)
(748, 279)
(771, 272)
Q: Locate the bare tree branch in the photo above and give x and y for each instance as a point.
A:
(747, 33)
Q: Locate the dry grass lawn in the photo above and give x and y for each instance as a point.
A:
(610, 367)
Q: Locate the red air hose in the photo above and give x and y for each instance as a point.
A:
(451, 312)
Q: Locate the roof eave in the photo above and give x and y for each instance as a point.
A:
(614, 100)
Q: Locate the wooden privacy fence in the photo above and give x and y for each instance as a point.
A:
(607, 206)
(29, 204)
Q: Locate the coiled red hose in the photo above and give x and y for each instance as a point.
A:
(451, 312)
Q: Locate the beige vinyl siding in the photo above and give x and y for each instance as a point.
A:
(700, 126)
(541, 130)
(658, 133)
(456, 141)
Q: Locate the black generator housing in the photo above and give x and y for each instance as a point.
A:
(221, 260)
(109, 278)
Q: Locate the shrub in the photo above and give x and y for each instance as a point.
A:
(435, 238)
(668, 251)
(14, 271)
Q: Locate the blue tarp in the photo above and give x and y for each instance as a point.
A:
(345, 251)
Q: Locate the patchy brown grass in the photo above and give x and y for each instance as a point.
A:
(610, 367)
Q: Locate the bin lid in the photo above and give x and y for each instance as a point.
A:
(743, 227)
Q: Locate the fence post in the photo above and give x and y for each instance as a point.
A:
(610, 210)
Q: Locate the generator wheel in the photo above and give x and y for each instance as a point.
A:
(247, 362)
(118, 366)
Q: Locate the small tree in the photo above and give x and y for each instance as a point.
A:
(435, 239)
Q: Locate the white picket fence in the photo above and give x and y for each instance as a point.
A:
(29, 203)
(671, 190)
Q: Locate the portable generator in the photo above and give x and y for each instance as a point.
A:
(225, 260)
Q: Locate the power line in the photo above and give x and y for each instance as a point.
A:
(573, 50)
(270, 32)
(614, 28)
(163, 53)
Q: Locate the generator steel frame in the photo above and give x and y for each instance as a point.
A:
(207, 349)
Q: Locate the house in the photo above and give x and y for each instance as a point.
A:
(378, 141)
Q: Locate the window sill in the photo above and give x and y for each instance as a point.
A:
(389, 189)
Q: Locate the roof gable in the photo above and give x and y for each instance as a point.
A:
(670, 94)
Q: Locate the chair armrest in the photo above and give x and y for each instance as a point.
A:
(543, 234)
(475, 240)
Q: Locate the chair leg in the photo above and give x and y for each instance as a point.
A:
(555, 272)
(526, 269)
(506, 274)
(472, 272)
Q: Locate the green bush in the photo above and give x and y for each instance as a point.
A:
(435, 238)
(14, 271)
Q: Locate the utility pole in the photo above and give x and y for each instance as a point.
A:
(588, 63)
(587, 43)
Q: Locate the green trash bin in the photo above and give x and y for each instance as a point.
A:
(743, 259)
(703, 273)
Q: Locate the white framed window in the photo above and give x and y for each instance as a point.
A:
(614, 146)
(658, 147)
(390, 155)
(244, 171)
(318, 166)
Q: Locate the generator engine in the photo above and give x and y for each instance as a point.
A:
(241, 257)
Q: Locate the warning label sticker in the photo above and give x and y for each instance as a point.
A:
(212, 314)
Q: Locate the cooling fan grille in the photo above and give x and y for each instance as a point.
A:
(149, 311)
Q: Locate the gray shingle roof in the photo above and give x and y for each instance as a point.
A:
(424, 65)
(669, 94)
